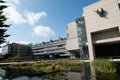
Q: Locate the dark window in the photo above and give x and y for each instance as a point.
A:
(119, 5)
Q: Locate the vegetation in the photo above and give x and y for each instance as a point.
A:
(14, 58)
(69, 63)
(107, 76)
(11, 58)
(105, 66)
(3, 26)
(44, 67)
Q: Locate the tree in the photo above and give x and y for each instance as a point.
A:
(3, 25)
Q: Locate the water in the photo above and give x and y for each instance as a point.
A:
(85, 73)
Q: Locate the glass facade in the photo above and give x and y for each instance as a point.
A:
(82, 38)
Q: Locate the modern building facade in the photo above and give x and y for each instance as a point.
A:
(103, 28)
(99, 31)
(51, 49)
(18, 49)
(76, 38)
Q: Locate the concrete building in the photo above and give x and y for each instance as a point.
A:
(76, 38)
(103, 28)
(18, 49)
(51, 49)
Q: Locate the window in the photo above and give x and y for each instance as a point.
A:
(119, 5)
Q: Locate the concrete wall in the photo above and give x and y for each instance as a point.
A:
(5, 49)
(102, 28)
(72, 37)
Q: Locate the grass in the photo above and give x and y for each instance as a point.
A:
(45, 67)
(105, 66)
(69, 63)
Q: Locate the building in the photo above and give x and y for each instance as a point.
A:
(103, 28)
(51, 50)
(76, 38)
(18, 49)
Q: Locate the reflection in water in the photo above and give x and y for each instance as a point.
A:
(76, 73)
(2, 72)
(30, 78)
(85, 73)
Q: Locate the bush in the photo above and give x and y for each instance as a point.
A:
(14, 58)
(103, 65)
(68, 63)
(45, 67)
(43, 64)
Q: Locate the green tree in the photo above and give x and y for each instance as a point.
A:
(3, 25)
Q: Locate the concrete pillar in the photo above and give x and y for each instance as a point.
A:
(90, 47)
(119, 29)
(93, 74)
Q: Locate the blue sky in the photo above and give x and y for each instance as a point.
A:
(34, 21)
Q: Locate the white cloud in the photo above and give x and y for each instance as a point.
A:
(14, 16)
(16, 1)
(13, 1)
(43, 31)
(17, 17)
(24, 42)
(33, 18)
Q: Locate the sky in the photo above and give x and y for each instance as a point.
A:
(34, 21)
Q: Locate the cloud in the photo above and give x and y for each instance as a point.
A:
(26, 17)
(43, 31)
(24, 42)
(14, 16)
(13, 1)
(16, 1)
(33, 17)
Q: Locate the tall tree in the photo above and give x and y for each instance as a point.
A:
(3, 25)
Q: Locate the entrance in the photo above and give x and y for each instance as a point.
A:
(108, 50)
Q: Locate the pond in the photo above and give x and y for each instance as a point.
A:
(76, 73)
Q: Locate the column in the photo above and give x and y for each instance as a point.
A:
(90, 47)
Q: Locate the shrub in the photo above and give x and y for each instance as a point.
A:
(103, 65)
(43, 64)
(14, 58)
(68, 63)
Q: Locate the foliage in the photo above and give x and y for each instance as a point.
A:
(3, 26)
(105, 66)
(43, 64)
(107, 76)
(45, 67)
(14, 58)
(67, 63)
